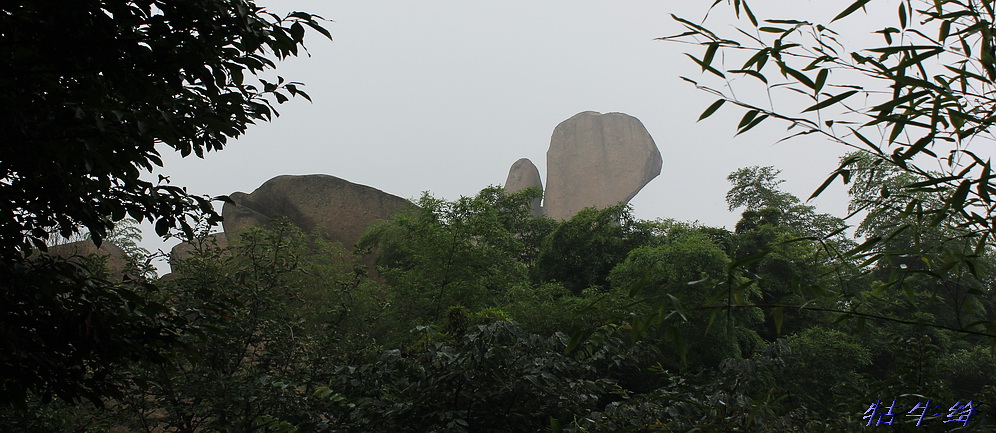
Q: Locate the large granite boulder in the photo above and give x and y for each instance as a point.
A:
(339, 209)
(117, 258)
(522, 175)
(597, 160)
(185, 250)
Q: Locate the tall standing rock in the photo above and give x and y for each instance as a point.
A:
(597, 160)
(522, 175)
(339, 209)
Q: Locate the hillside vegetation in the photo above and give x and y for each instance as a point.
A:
(484, 318)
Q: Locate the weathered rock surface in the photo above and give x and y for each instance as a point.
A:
(184, 250)
(522, 175)
(339, 209)
(117, 258)
(597, 160)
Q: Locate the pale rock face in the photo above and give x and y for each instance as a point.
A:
(522, 175)
(338, 209)
(598, 160)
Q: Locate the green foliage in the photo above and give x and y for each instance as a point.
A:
(541, 309)
(36, 416)
(685, 266)
(467, 252)
(969, 370)
(820, 363)
(550, 308)
(922, 271)
(581, 251)
(94, 87)
(706, 402)
(272, 310)
(916, 105)
(67, 332)
(756, 188)
(93, 91)
(127, 235)
(285, 333)
(679, 280)
(495, 378)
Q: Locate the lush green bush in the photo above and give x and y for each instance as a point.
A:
(821, 363)
(493, 378)
(468, 252)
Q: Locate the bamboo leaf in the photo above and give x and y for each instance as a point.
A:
(821, 79)
(706, 67)
(712, 108)
(831, 100)
(750, 14)
(710, 53)
(752, 124)
(752, 73)
(850, 9)
(748, 117)
(802, 78)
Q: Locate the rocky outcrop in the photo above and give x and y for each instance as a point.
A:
(338, 209)
(117, 258)
(597, 160)
(184, 250)
(522, 175)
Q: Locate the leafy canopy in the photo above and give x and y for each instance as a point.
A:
(921, 102)
(95, 90)
(922, 98)
(92, 92)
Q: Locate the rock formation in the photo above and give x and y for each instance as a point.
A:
(339, 209)
(597, 160)
(522, 175)
(117, 258)
(184, 250)
(594, 160)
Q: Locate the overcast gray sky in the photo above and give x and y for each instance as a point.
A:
(444, 95)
